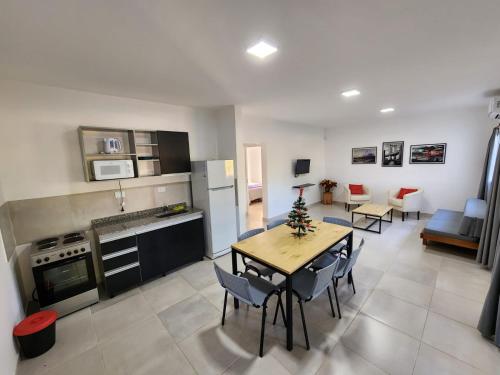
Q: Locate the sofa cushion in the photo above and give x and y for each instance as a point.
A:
(356, 189)
(404, 191)
(472, 221)
(393, 201)
(359, 197)
(447, 223)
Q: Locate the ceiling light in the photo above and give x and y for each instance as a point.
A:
(262, 50)
(350, 93)
(387, 110)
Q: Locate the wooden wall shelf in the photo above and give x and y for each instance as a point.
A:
(302, 186)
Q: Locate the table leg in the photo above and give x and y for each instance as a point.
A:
(379, 225)
(235, 272)
(289, 313)
(391, 215)
(349, 252)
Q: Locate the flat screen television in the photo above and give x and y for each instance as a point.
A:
(302, 166)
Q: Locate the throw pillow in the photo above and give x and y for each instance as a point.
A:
(404, 191)
(356, 189)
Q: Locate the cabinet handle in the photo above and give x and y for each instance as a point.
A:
(119, 253)
(121, 269)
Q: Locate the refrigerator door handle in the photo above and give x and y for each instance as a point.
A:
(222, 188)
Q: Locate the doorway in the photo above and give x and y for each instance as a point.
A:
(254, 186)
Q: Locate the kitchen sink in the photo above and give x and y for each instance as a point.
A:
(169, 213)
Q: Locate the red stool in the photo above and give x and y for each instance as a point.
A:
(36, 333)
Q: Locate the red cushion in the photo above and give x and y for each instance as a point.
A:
(356, 189)
(404, 191)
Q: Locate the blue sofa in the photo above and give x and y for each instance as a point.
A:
(459, 228)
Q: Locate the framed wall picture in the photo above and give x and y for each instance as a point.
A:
(430, 153)
(392, 154)
(364, 155)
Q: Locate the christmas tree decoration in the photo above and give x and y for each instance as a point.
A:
(298, 218)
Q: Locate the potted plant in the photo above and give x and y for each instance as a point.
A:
(327, 186)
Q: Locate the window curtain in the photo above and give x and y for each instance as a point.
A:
(488, 253)
(489, 191)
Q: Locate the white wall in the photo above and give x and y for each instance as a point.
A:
(39, 144)
(254, 164)
(466, 133)
(282, 143)
(10, 312)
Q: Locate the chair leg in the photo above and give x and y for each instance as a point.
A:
(261, 350)
(402, 216)
(353, 287)
(337, 300)
(280, 302)
(224, 309)
(304, 324)
(418, 215)
(331, 303)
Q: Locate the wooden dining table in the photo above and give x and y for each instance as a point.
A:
(286, 254)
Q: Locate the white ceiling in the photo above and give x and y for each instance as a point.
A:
(415, 55)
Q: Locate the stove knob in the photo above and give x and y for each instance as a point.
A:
(68, 253)
(39, 261)
(46, 259)
(61, 255)
(75, 251)
(82, 249)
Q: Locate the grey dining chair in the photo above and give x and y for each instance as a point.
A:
(275, 223)
(251, 290)
(346, 264)
(308, 285)
(326, 259)
(251, 265)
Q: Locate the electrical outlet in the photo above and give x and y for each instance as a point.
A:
(162, 189)
(119, 195)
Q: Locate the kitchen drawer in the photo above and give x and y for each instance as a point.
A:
(122, 278)
(118, 245)
(119, 259)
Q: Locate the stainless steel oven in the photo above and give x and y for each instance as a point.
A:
(65, 278)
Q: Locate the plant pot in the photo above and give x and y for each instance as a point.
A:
(327, 197)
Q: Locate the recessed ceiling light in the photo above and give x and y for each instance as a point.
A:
(350, 93)
(262, 50)
(387, 110)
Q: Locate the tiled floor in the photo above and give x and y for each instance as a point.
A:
(415, 311)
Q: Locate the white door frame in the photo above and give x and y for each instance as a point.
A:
(264, 176)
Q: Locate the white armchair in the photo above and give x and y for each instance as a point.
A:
(357, 199)
(411, 202)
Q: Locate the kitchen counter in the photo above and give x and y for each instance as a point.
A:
(110, 229)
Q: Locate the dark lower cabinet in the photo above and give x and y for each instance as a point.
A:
(129, 261)
(123, 280)
(153, 247)
(187, 244)
(165, 249)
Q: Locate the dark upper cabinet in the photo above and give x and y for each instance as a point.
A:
(174, 152)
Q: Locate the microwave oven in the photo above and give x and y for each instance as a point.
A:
(112, 169)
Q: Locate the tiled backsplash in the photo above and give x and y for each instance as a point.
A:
(33, 219)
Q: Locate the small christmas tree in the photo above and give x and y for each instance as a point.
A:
(298, 218)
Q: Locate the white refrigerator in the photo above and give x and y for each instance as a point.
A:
(212, 184)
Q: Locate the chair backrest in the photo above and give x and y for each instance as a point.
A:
(250, 233)
(275, 223)
(324, 278)
(237, 286)
(354, 257)
(338, 221)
